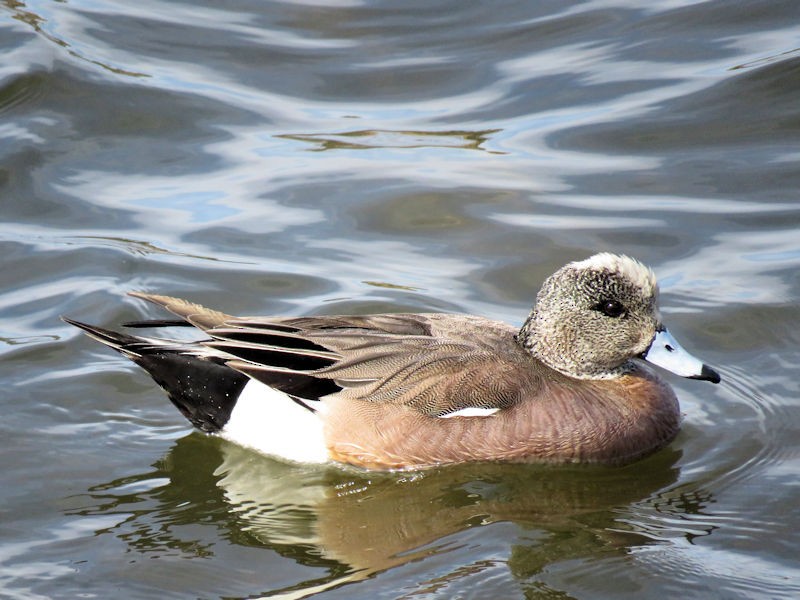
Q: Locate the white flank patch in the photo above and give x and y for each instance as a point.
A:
(269, 421)
(472, 411)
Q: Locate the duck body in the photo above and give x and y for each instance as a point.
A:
(598, 425)
(399, 391)
(545, 416)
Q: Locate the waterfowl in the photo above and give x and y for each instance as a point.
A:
(400, 391)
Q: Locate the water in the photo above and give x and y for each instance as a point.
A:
(326, 157)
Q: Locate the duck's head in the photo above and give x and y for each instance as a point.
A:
(593, 316)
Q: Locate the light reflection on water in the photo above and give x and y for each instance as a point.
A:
(324, 157)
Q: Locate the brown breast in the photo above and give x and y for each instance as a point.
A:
(606, 421)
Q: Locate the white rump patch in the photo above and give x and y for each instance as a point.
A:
(472, 411)
(269, 421)
(626, 266)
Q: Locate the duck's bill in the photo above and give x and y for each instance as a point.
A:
(670, 355)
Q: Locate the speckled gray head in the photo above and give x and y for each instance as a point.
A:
(592, 317)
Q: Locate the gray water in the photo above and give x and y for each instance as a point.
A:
(324, 156)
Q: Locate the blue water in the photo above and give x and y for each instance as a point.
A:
(322, 157)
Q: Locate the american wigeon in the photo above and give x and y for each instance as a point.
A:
(413, 390)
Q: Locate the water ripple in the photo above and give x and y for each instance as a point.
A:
(329, 156)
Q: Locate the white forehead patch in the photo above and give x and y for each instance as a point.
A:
(631, 269)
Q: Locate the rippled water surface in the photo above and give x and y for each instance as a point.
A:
(328, 156)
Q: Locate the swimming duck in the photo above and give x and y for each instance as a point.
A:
(404, 391)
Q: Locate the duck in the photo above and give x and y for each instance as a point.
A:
(402, 391)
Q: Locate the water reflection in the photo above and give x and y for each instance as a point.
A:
(366, 139)
(467, 153)
(40, 25)
(355, 524)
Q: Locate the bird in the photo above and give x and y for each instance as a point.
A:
(404, 391)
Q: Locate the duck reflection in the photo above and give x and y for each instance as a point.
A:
(370, 522)
(356, 523)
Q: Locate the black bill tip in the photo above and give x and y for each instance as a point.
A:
(707, 374)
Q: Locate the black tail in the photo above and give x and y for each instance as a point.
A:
(203, 388)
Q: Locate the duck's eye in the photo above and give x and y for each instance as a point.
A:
(611, 308)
